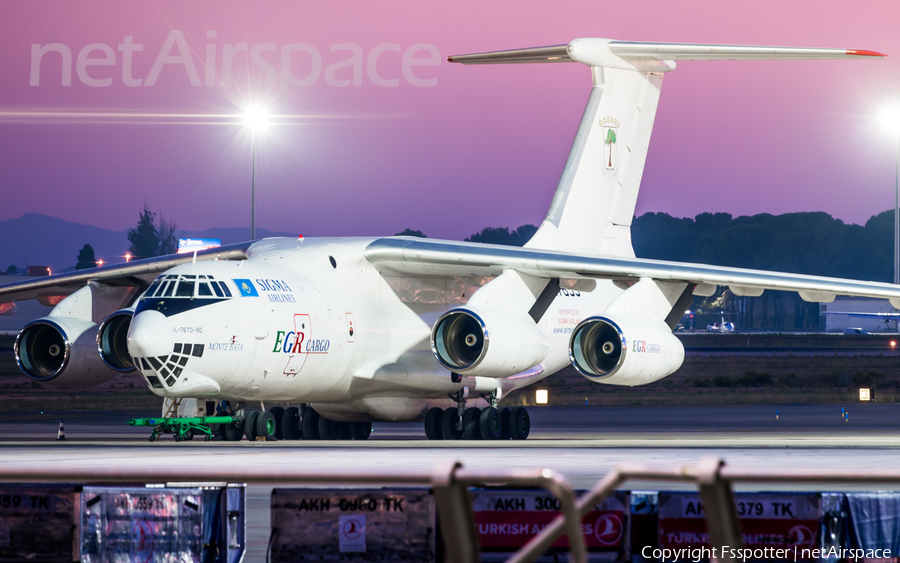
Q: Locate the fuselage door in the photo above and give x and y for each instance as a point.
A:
(295, 342)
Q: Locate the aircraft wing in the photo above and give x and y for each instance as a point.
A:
(134, 273)
(423, 257)
(886, 316)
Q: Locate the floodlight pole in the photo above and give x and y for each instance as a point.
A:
(253, 188)
(897, 210)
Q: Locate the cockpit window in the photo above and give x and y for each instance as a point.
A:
(185, 288)
(203, 289)
(217, 289)
(225, 289)
(167, 292)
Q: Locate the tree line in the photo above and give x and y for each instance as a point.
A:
(804, 243)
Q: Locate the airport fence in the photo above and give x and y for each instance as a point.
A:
(459, 498)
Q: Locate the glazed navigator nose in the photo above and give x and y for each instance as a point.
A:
(150, 335)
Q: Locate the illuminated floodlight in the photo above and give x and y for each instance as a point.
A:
(893, 343)
(99, 263)
(256, 118)
(890, 117)
(865, 394)
(542, 396)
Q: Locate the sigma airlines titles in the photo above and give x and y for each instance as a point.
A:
(344, 65)
(794, 553)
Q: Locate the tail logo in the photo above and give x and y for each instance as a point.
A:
(610, 126)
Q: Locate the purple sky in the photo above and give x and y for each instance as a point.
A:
(482, 147)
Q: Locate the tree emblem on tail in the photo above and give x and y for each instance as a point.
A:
(610, 139)
(609, 126)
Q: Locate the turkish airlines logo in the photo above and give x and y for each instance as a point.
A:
(801, 536)
(608, 529)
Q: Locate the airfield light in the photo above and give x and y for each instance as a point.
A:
(256, 118)
(893, 343)
(865, 394)
(542, 396)
(128, 257)
(99, 263)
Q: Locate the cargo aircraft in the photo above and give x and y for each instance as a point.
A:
(316, 338)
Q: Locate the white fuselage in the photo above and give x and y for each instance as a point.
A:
(313, 321)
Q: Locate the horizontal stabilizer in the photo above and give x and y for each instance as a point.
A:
(590, 51)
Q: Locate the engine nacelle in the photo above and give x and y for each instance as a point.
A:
(63, 351)
(624, 350)
(112, 341)
(487, 342)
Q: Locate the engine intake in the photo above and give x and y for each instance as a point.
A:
(487, 342)
(62, 350)
(624, 350)
(112, 341)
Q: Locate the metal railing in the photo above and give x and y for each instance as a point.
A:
(451, 481)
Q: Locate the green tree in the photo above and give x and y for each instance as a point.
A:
(144, 238)
(502, 235)
(168, 240)
(411, 233)
(86, 258)
(12, 269)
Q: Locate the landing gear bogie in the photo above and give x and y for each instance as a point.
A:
(489, 423)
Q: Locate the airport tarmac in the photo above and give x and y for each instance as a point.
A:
(581, 443)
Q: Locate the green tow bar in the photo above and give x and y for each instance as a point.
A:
(182, 428)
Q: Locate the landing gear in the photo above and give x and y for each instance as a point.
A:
(477, 424)
(278, 413)
(360, 430)
(266, 426)
(290, 424)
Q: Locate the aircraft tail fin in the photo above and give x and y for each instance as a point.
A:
(596, 196)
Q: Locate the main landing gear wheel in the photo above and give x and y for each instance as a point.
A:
(471, 426)
(449, 430)
(250, 425)
(489, 424)
(310, 424)
(233, 432)
(504, 423)
(360, 430)
(329, 429)
(520, 423)
(278, 413)
(266, 426)
(290, 424)
(433, 424)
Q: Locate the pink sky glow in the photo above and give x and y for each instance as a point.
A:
(466, 148)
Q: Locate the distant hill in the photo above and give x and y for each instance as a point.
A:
(54, 242)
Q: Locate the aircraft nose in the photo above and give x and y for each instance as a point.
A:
(150, 335)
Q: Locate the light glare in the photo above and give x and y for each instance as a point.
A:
(891, 119)
(256, 118)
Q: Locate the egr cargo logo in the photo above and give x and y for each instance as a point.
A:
(246, 288)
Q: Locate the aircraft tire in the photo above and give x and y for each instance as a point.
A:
(433, 423)
(520, 423)
(329, 429)
(310, 422)
(471, 426)
(504, 423)
(489, 424)
(266, 426)
(278, 413)
(345, 433)
(449, 431)
(189, 435)
(290, 424)
(361, 430)
(250, 425)
(233, 432)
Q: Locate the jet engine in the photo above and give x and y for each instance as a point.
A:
(112, 341)
(624, 350)
(61, 350)
(487, 341)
